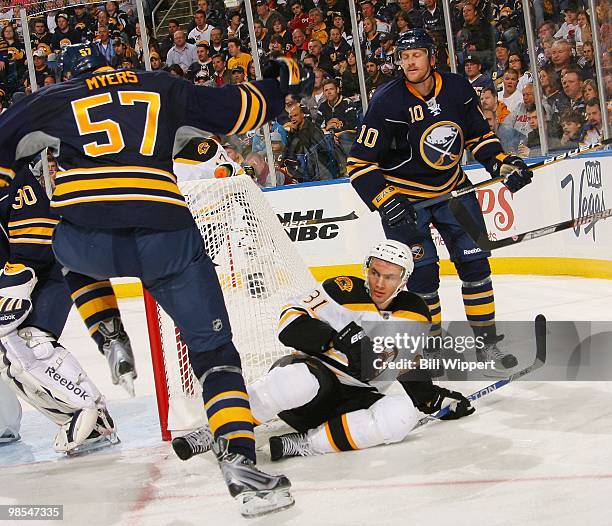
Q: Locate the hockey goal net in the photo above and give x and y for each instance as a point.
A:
(259, 270)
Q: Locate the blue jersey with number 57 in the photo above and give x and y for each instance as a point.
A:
(114, 132)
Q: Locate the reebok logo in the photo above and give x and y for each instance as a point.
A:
(67, 384)
(471, 251)
(356, 337)
(7, 317)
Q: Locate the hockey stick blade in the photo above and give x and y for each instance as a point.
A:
(540, 360)
(482, 239)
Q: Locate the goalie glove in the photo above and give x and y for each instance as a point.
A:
(16, 284)
(514, 169)
(294, 78)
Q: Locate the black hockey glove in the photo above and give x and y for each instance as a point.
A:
(514, 169)
(398, 211)
(294, 78)
(353, 342)
(459, 407)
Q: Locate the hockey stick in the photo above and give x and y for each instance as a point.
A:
(482, 238)
(540, 360)
(546, 162)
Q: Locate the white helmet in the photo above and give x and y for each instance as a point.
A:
(393, 252)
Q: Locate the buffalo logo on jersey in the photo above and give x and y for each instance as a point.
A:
(442, 145)
(345, 284)
(418, 251)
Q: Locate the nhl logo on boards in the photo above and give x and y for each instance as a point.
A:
(217, 325)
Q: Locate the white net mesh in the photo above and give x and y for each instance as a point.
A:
(259, 270)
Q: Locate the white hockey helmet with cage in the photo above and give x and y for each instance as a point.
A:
(392, 252)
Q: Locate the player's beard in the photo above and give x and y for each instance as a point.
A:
(422, 79)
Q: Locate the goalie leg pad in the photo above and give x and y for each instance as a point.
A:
(47, 375)
(281, 389)
(10, 414)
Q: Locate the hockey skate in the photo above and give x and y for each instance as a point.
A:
(102, 436)
(9, 436)
(118, 352)
(503, 361)
(290, 445)
(257, 492)
(194, 443)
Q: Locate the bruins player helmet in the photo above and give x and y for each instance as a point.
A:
(414, 39)
(78, 59)
(393, 252)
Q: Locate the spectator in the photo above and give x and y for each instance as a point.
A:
(307, 145)
(518, 119)
(311, 104)
(473, 72)
(156, 62)
(41, 70)
(176, 69)
(39, 33)
(104, 43)
(316, 49)
(589, 90)
(339, 116)
(338, 19)
(337, 44)
(236, 29)
(515, 62)
(401, 24)
(234, 153)
(583, 32)
(182, 53)
(553, 98)
(221, 75)
(367, 11)
(275, 48)
(213, 17)
(300, 17)
(122, 54)
(280, 29)
(317, 30)
(236, 55)
(386, 54)
(217, 45)
(371, 38)
(560, 55)
(433, 19)
(137, 43)
(300, 47)
(572, 123)
(587, 60)
(510, 95)
(374, 77)
(49, 80)
(262, 38)
(267, 15)
(489, 101)
(568, 29)
(261, 169)
(546, 31)
(491, 117)
(571, 83)
(502, 54)
(530, 146)
(201, 31)
(168, 41)
(202, 65)
(117, 19)
(290, 101)
(63, 35)
(238, 75)
(350, 80)
(477, 31)
(592, 131)
(415, 17)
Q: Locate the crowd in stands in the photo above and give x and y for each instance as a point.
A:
(313, 135)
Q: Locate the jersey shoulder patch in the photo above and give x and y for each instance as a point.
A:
(411, 303)
(347, 289)
(199, 150)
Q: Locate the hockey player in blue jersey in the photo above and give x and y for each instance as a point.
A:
(34, 305)
(409, 148)
(122, 214)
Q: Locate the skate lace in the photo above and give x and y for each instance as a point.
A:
(296, 445)
(200, 440)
